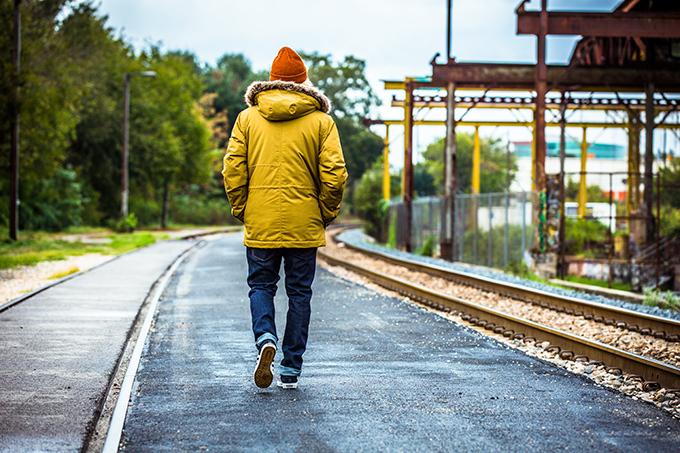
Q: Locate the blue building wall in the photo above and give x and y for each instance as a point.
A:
(598, 150)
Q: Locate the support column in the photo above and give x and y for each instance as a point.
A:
(541, 91)
(407, 181)
(386, 164)
(447, 235)
(649, 164)
(635, 221)
(475, 201)
(539, 118)
(582, 185)
(633, 202)
(562, 270)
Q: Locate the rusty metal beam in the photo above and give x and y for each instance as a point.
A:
(523, 102)
(579, 124)
(612, 25)
(501, 76)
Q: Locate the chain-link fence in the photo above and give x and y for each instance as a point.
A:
(491, 230)
(621, 235)
(613, 236)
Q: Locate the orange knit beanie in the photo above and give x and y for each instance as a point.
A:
(288, 66)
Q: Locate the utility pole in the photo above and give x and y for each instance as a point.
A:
(14, 149)
(126, 139)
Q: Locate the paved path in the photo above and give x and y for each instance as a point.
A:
(59, 349)
(380, 375)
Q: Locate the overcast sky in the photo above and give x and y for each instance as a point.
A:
(396, 38)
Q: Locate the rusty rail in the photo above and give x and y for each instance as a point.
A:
(654, 373)
(657, 326)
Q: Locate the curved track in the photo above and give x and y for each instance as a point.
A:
(652, 372)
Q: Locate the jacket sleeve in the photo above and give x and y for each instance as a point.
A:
(332, 175)
(235, 170)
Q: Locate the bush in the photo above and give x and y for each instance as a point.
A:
(186, 209)
(369, 204)
(667, 301)
(669, 224)
(586, 237)
(52, 204)
(428, 247)
(126, 225)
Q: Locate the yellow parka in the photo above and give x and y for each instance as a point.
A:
(284, 172)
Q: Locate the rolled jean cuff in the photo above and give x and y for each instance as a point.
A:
(288, 371)
(265, 337)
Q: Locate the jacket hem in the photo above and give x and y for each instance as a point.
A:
(283, 244)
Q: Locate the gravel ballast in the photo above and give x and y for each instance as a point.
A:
(357, 238)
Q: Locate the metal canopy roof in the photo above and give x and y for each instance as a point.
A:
(636, 45)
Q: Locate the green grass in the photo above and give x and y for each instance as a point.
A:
(600, 283)
(35, 247)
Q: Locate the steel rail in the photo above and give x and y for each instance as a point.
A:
(657, 326)
(653, 373)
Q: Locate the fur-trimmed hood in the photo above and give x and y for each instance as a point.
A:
(256, 88)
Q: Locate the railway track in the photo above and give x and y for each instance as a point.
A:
(653, 374)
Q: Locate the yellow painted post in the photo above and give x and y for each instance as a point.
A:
(475, 178)
(407, 139)
(386, 165)
(582, 188)
(476, 159)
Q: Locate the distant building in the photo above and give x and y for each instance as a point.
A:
(603, 158)
(572, 149)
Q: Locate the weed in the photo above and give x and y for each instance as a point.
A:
(655, 298)
(65, 273)
(428, 248)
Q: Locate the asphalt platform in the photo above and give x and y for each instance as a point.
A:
(380, 374)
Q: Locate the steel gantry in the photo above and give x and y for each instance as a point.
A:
(516, 101)
(627, 51)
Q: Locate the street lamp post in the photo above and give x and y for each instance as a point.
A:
(126, 137)
(14, 147)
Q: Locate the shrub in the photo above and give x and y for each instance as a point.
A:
(428, 247)
(125, 225)
(586, 237)
(52, 204)
(667, 300)
(369, 204)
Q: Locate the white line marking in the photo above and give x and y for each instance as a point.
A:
(120, 411)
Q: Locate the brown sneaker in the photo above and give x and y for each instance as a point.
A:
(263, 370)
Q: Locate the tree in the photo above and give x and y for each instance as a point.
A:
(594, 193)
(228, 82)
(53, 69)
(171, 140)
(351, 97)
(493, 164)
(95, 150)
(344, 83)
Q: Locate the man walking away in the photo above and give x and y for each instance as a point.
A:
(284, 174)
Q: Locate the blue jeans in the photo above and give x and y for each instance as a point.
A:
(263, 275)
